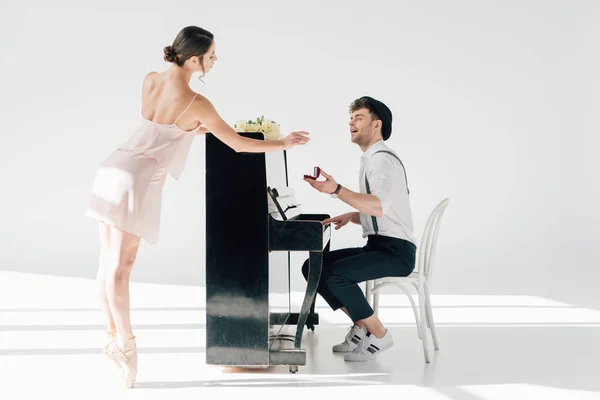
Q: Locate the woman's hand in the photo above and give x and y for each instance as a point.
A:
(295, 139)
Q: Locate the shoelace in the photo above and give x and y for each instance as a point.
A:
(350, 334)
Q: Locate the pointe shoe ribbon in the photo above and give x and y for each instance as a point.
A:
(128, 360)
(110, 340)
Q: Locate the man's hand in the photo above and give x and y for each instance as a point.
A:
(339, 221)
(327, 186)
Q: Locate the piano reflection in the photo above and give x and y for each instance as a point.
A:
(249, 216)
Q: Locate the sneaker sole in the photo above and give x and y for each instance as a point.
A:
(342, 351)
(374, 357)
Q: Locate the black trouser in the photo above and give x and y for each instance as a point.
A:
(344, 269)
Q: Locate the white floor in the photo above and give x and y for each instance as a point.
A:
(491, 348)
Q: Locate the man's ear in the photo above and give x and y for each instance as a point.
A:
(378, 124)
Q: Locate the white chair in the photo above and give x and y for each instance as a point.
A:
(420, 279)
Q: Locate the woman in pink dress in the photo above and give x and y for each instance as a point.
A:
(127, 191)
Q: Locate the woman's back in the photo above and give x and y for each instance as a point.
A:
(167, 129)
(165, 99)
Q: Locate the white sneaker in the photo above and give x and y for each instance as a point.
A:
(370, 347)
(352, 340)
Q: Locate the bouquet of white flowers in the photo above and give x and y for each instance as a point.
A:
(270, 129)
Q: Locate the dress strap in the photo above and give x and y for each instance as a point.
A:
(194, 98)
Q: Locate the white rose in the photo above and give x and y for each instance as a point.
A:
(276, 133)
(267, 127)
(253, 128)
(241, 126)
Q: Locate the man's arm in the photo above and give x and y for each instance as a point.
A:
(365, 203)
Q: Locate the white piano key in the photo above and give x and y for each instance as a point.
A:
(326, 235)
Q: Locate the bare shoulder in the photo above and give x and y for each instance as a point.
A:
(150, 80)
(202, 104)
(150, 74)
(204, 110)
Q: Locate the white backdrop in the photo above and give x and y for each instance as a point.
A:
(493, 107)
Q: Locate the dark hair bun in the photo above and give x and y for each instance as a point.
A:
(169, 54)
(191, 41)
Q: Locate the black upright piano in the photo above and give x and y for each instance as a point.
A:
(250, 217)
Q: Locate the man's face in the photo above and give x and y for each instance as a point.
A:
(362, 126)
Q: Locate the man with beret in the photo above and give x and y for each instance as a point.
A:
(383, 211)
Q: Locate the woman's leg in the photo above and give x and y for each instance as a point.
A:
(103, 262)
(124, 247)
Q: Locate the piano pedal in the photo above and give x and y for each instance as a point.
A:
(311, 327)
(293, 369)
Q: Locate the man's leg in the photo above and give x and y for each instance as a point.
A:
(342, 282)
(356, 332)
(329, 258)
(360, 323)
(345, 274)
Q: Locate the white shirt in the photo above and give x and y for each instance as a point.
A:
(386, 181)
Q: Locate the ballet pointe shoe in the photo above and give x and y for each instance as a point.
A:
(110, 339)
(127, 358)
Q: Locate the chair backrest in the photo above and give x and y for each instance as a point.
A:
(426, 250)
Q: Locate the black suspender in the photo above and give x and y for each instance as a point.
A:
(369, 188)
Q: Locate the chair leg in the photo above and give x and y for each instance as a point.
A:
(416, 312)
(368, 293)
(376, 302)
(423, 321)
(430, 321)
